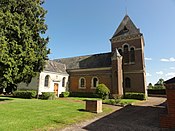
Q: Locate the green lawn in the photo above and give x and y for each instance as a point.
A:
(32, 114)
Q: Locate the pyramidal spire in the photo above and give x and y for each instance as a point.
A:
(126, 27)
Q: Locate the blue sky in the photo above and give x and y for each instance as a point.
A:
(83, 27)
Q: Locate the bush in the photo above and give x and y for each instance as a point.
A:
(102, 91)
(48, 95)
(83, 94)
(28, 94)
(156, 91)
(133, 95)
(64, 94)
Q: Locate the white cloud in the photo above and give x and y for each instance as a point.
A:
(159, 72)
(148, 58)
(172, 68)
(170, 74)
(148, 74)
(172, 59)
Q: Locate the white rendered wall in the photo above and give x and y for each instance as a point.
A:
(54, 78)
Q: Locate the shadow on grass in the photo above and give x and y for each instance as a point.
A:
(82, 110)
(5, 99)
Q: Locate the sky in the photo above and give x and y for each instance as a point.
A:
(84, 27)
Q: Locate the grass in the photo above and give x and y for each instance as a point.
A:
(83, 98)
(33, 114)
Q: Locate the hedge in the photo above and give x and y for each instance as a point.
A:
(156, 91)
(27, 94)
(64, 94)
(83, 94)
(48, 95)
(133, 95)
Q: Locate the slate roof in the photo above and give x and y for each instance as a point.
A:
(170, 81)
(126, 27)
(54, 66)
(88, 61)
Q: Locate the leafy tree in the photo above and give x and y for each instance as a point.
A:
(150, 86)
(159, 84)
(103, 91)
(23, 50)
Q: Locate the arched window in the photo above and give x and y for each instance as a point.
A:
(94, 82)
(132, 54)
(82, 82)
(46, 81)
(120, 51)
(126, 54)
(127, 82)
(63, 81)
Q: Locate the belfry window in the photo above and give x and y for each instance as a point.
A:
(126, 54)
(132, 55)
(127, 82)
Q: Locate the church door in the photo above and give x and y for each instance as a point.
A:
(56, 89)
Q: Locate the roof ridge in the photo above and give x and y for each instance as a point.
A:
(82, 56)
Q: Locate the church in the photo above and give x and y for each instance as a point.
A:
(121, 70)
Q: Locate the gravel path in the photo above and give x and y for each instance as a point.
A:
(142, 116)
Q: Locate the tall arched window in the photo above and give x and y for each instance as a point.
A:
(126, 54)
(132, 54)
(94, 82)
(120, 51)
(82, 82)
(46, 81)
(127, 82)
(63, 81)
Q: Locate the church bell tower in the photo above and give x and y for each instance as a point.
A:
(129, 42)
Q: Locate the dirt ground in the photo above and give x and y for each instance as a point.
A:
(142, 116)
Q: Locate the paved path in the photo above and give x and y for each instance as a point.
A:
(142, 116)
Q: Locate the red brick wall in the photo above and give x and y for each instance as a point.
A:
(103, 77)
(135, 71)
(168, 121)
(137, 82)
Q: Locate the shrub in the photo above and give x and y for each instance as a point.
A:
(64, 94)
(48, 95)
(133, 95)
(28, 94)
(83, 94)
(156, 91)
(102, 91)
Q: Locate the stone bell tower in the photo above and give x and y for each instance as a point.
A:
(129, 42)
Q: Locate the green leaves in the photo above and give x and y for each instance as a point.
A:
(22, 50)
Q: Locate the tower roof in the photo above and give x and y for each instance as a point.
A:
(126, 27)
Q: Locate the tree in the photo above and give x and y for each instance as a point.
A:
(159, 84)
(150, 86)
(22, 49)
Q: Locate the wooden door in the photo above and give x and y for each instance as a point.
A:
(56, 89)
